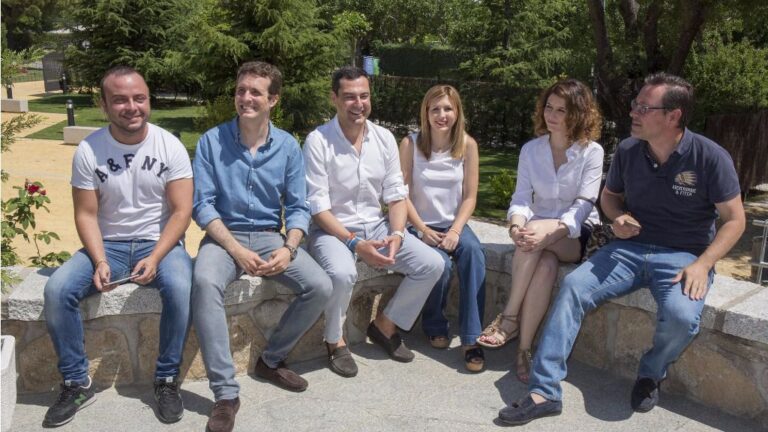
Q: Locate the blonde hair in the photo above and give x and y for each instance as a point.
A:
(583, 119)
(458, 135)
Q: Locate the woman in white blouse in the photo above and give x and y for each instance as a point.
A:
(441, 167)
(558, 180)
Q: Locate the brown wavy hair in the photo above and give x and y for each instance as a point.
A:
(582, 118)
(424, 140)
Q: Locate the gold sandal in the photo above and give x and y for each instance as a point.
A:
(498, 334)
(524, 360)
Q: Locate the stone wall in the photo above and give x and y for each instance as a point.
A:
(726, 366)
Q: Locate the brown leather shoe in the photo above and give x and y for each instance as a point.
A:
(223, 415)
(281, 376)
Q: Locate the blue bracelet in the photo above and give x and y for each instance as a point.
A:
(351, 243)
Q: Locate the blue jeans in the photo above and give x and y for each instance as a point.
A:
(470, 261)
(73, 282)
(616, 269)
(215, 269)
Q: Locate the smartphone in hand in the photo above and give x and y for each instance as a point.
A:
(123, 280)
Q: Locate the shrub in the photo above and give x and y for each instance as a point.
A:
(502, 186)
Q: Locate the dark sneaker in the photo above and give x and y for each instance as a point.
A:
(281, 376)
(393, 345)
(525, 410)
(645, 395)
(170, 407)
(73, 398)
(223, 415)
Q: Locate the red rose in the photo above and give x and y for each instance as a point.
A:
(32, 188)
(43, 192)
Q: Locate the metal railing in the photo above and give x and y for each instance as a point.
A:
(760, 261)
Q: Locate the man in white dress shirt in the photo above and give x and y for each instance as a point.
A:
(352, 168)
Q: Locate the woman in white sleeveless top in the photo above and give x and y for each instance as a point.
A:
(440, 166)
(551, 212)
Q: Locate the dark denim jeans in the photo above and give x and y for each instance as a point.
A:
(73, 282)
(469, 256)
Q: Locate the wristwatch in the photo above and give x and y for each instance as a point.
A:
(293, 250)
(399, 234)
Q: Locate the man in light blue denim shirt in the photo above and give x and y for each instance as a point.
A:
(247, 172)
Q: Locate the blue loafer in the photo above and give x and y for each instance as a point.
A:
(525, 410)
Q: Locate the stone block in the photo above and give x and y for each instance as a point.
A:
(591, 345)
(749, 318)
(109, 357)
(724, 294)
(267, 315)
(148, 346)
(192, 366)
(75, 134)
(15, 105)
(245, 341)
(311, 345)
(717, 378)
(37, 366)
(634, 336)
(8, 380)
(17, 329)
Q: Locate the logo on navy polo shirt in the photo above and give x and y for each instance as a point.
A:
(685, 183)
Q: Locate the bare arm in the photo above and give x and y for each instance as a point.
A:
(612, 204)
(86, 204)
(179, 196)
(696, 275)
(468, 197)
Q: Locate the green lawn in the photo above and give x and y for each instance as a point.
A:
(170, 115)
(491, 163)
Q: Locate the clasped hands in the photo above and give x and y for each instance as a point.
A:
(446, 241)
(254, 265)
(529, 239)
(368, 251)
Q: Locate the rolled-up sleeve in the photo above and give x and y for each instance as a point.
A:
(295, 199)
(318, 196)
(520, 204)
(393, 187)
(589, 188)
(204, 210)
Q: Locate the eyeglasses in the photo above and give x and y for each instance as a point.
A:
(643, 109)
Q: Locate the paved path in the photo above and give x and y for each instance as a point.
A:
(431, 394)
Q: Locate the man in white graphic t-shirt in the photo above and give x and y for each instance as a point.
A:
(132, 193)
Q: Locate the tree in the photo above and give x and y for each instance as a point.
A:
(522, 43)
(287, 33)
(13, 62)
(143, 34)
(25, 20)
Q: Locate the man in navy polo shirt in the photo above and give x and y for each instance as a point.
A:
(665, 188)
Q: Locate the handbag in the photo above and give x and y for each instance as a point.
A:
(601, 234)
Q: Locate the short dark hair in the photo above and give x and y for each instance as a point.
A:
(347, 73)
(119, 70)
(264, 70)
(678, 95)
